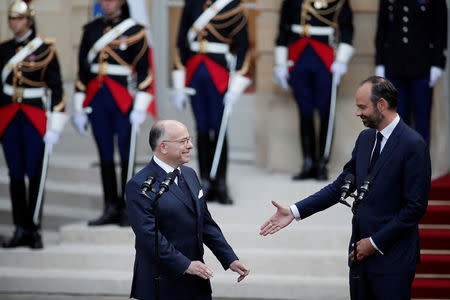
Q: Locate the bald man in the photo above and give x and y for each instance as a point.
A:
(185, 223)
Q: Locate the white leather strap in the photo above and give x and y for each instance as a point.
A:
(27, 50)
(111, 69)
(205, 17)
(28, 93)
(109, 37)
(313, 30)
(209, 47)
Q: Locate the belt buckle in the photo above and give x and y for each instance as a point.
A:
(103, 68)
(18, 94)
(306, 29)
(203, 48)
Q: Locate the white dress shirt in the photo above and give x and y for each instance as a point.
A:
(166, 167)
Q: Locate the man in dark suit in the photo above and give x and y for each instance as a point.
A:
(411, 43)
(398, 160)
(185, 224)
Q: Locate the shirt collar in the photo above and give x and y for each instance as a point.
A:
(163, 165)
(387, 131)
(20, 40)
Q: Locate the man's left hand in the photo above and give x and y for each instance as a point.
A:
(238, 267)
(364, 249)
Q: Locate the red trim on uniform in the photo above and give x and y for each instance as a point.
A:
(325, 52)
(120, 93)
(35, 115)
(152, 89)
(7, 112)
(218, 73)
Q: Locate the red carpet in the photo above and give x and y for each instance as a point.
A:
(435, 267)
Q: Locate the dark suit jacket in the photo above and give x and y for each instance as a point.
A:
(411, 37)
(396, 201)
(182, 232)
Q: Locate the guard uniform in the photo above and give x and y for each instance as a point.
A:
(309, 33)
(411, 39)
(204, 62)
(108, 70)
(30, 86)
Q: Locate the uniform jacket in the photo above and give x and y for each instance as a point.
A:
(337, 14)
(411, 37)
(396, 201)
(39, 70)
(182, 234)
(129, 50)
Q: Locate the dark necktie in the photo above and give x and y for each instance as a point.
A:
(184, 188)
(376, 151)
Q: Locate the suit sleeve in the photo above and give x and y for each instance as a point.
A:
(215, 241)
(415, 191)
(83, 65)
(142, 220)
(283, 25)
(380, 34)
(329, 195)
(438, 32)
(345, 21)
(142, 63)
(54, 82)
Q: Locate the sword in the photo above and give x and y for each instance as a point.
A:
(218, 152)
(132, 153)
(44, 170)
(334, 86)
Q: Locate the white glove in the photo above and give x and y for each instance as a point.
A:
(137, 118)
(79, 121)
(380, 71)
(50, 138)
(230, 98)
(435, 73)
(280, 76)
(178, 99)
(338, 69)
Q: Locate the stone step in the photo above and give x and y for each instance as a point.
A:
(239, 236)
(121, 258)
(107, 282)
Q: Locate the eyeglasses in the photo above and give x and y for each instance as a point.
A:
(183, 141)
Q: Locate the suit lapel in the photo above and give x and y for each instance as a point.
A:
(190, 181)
(366, 151)
(391, 144)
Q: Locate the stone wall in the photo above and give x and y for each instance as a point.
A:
(277, 125)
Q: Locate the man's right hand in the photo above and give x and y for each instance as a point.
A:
(79, 121)
(282, 218)
(199, 269)
(178, 99)
(280, 76)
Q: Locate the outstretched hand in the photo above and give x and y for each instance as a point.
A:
(282, 217)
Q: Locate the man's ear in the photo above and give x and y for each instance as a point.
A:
(382, 104)
(163, 148)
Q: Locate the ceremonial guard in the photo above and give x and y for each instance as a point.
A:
(211, 67)
(411, 42)
(113, 59)
(312, 48)
(32, 107)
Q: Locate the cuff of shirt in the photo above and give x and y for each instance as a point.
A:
(295, 212)
(373, 244)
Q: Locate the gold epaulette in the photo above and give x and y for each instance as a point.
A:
(47, 40)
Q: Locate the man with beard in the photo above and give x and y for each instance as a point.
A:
(398, 162)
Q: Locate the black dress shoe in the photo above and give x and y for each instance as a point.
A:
(308, 170)
(36, 240)
(124, 221)
(112, 215)
(322, 171)
(21, 237)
